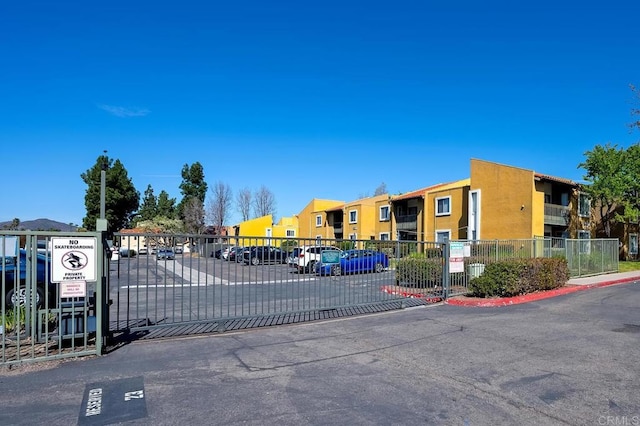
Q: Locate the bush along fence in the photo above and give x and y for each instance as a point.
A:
(424, 267)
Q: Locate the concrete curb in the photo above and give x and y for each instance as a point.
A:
(516, 300)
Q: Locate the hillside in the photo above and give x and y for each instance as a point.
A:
(40, 225)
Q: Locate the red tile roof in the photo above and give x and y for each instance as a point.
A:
(555, 179)
(417, 193)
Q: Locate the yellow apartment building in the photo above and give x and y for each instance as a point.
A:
(262, 231)
(507, 202)
(312, 220)
(432, 213)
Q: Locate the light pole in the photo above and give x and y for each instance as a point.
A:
(101, 223)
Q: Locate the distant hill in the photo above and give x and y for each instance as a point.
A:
(40, 225)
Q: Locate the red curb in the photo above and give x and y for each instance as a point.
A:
(516, 300)
(430, 299)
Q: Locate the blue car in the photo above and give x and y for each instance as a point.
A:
(353, 261)
(15, 294)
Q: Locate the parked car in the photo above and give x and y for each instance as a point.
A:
(292, 258)
(233, 254)
(225, 252)
(216, 253)
(264, 254)
(353, 261)
(178, 250)
(308, 256)
(16, 295)
(240, 251)
(165, 253)
(143, 250)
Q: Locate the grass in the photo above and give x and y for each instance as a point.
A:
(628, 266)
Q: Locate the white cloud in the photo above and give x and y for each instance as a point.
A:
(119, 111)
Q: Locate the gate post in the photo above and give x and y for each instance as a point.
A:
(446, 276)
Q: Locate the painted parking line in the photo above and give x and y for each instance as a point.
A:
(190, 274)
(113, 401)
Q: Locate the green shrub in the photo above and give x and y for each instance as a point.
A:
(416, 270)
(288, 245)
(520, 276)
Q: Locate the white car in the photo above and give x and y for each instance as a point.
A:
(225, 252)
(308, 256)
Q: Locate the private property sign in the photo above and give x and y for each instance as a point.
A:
(73, 259)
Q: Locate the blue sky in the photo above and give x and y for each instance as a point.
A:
(310, 99)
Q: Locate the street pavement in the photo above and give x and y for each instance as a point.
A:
(569, 359)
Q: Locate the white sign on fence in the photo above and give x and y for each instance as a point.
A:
(73, 259)
(456, 257)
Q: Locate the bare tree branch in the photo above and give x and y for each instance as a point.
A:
(220, 204)
(243, 200)
(264, 202)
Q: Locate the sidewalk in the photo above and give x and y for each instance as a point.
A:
(573, 285)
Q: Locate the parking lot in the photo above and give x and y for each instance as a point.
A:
(569, 360)
(160, 292)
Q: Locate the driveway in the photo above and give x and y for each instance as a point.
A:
(573, 360)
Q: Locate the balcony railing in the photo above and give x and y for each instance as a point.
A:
(407, 222)
(555, 214)
(337, 228)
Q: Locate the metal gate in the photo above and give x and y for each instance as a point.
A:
(165, 285)
(52, 286)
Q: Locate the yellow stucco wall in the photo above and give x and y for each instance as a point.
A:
(257, 228)
(382, 226)
(509, 201)
(368, 215)
(456, 221)
(307, 218)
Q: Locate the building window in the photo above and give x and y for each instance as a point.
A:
(384, 213)
(352, 236)
(442, 235)
(319, 220)
(384, 236)
(584, 205)
(443, 206)
(353, 216)
(633, 244)
(291, 233)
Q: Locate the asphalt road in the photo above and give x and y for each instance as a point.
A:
(568, 360)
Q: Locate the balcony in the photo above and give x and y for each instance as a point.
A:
(407, 222)
(556, 214)
(337, 228)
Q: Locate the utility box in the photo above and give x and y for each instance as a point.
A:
(474, 270)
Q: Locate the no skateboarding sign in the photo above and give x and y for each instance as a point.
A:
(73, 259)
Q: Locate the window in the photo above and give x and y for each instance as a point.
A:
(291, 233)
(443, 206)
(584, 205)
(352, 236)
(633, 244)
(442, 235)
(384, 236)
(319, 220)
(353, 216)
(384, 213)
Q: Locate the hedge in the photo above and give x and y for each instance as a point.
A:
(520, 276)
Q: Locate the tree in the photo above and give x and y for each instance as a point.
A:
(192, 186)
(243, 200)
(121, 196)
(635, 110)
(264, 202)
(149, 207)
(220, 204)
(381, 189)
(166, 206)
(193, 216)
(607, 177)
